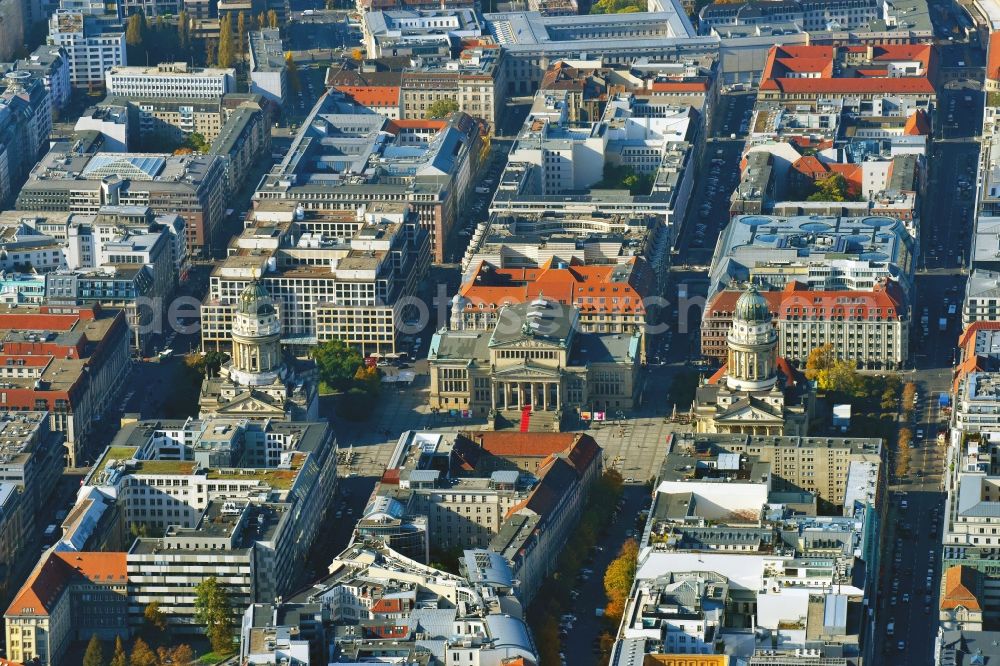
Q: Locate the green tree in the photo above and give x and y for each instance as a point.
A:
(833, 187)
(337, 363)
(547, 640)
(618, 580)
(119, 658)
(154, 616)
(196, 141)
(214, 609)
(617, 7)
(94, 656)
(272, 19)
(442, 108)
(292, 70)
(227, 49)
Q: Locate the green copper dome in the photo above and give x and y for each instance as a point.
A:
(752, 307)
(255, 300)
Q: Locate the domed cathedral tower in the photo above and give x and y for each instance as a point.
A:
(258, 381)
(755, 392)
(753, 345)
(256, 357)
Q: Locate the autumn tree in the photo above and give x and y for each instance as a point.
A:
(141, 654)
(176, 656)
(214, 610)
(182, 655)
(183, 32)
(136, 30)
(909, 396)
(94, 656)
(442, 108)
(211, 52)
(154, 616)
(119, 658)
(368, 379)
(272, 19)
(292, 70)
(903, 458)
(831, 373)
(227, 48)
(241, 34)
(618, 580)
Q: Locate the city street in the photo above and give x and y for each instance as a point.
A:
(913, 535)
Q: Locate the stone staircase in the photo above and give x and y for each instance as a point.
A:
(540, 421)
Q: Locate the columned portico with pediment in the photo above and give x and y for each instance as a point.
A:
(516, 394)
(537, 361)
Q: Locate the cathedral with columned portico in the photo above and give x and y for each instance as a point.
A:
(755, 392)
(260, 381)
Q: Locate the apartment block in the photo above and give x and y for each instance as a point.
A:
(376, 601)
(82, 181)
(50, 64)
(730, 543)
(71, 361)
(243, 496)
(25, 125)
(169, 80)
(557, 166)
(519, 495)
(611, 297)
(68, 597)
(93, 42)
(335, 274)
(824, 253)
(268, 77)
(870, 327)
(863, 21)
(345, 157)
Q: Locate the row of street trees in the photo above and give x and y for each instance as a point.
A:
(553, 598)
(213, 609)
(166, 40)
(140, 655)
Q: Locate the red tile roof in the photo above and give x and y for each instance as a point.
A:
(786, 64)
(41, 592)
(993, 57)
(390, 605)
(588, 287)
(373, 96)
(958, 581)
(810, 166)
(524, 444)
(679, 86)
(917, 124)
(396, 126)
(884, 302)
